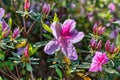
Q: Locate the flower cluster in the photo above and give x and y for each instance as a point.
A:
(94, 45)
(110, 48)
(98, 30)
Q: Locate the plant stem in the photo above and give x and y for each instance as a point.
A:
(31, 27)
(7, 74)
(24, 25)
(10, 71)
(31, 74)
(17, 72)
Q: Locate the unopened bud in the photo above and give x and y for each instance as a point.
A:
(46, 8)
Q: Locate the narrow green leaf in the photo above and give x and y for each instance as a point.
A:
(47, 36)
(46, 27)
(2, 55)
(56, 18)
(29, 67)
(10, 22)
(58, 72)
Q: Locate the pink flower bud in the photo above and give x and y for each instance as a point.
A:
(16, 33)
(46, 8)
(116, 50)
(93, 43)
(95, 27)
(5, 29)
(112, 47)
(119, 68)
(107, 45)
(99, 45)
(26, 5)
(26, 51)
(101, 30)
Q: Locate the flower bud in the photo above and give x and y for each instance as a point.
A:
(46, 8)
(99, 45)
(101, 30)
(26, 5)
(26, 51)
(112, 47)
(107, 45)
(5, 29)
(116, 50)
(93, 43)
(119, 68)
(16, 33)
(95, 27)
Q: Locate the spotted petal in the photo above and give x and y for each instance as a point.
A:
(68, 26)
(56, 29)
(51, 47)
(69, 50)
(76, 36)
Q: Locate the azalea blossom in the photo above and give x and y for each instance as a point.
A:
(2, 12)
(112, 7)
(65, 35)
(98, 60)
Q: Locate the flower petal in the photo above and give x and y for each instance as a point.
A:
(56, 29)
(68, 26)
(69, 50)
(76, 36)
(51, 47)
(2, 12)
(94, 67)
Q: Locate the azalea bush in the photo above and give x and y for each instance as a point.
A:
(59, 40)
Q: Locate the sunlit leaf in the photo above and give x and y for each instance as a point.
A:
(58, 72)
(56, 18)
(46, 27)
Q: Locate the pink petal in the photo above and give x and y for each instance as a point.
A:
(94, 67)
(51, 47)
(69, 50)
(56, 29)
(68, 26)
(2, 12)
(76, 36)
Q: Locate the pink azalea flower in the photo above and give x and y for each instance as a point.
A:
(65, 35)
(2, 12)
(112, 7)
(16, 33)
(98, 60)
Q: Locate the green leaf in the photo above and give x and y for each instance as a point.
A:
(0, 78)
(2, 55)
(47, 36)
(46, 27)
(56, 18)
(58, 72)
(10, 22)
(40, 44)
(29, 67)
(111, 71)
